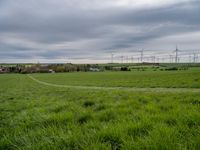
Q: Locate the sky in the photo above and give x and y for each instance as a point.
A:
(89, 31)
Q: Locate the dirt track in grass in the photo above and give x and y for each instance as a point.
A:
(117, 88)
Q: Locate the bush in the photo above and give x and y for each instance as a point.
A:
(125, 69)
(171, 69)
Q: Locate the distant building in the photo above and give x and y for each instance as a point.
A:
(3, 70)
(51, 71)
(116, 68)
(94, 69)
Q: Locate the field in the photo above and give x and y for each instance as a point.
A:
(58, 111)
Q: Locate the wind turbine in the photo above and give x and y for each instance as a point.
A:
(176, 54)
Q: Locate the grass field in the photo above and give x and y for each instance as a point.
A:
(36, 116)
(179, 79)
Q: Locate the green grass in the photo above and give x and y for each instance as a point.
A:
(34, 116)
(180, 79)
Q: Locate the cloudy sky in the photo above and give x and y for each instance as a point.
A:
(90, 30)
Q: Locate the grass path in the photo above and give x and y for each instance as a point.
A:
(117, 88)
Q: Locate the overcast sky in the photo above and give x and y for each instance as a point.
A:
(90, 30)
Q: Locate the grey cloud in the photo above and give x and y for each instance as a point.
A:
(46, 22)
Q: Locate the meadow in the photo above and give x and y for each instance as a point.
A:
(36, 116)
(172, 79)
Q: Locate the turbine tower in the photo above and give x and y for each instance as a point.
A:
(176, 53)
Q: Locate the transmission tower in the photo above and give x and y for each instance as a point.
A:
(195, 57)
(132, 59)
(190, 58)
(171, 58)
(153, 58)
(122, 59)
(126, 59)
(141, 55)
(112, 56)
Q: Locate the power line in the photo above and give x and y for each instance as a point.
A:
(157, 57)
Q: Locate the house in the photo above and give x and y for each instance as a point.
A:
(3, 70)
